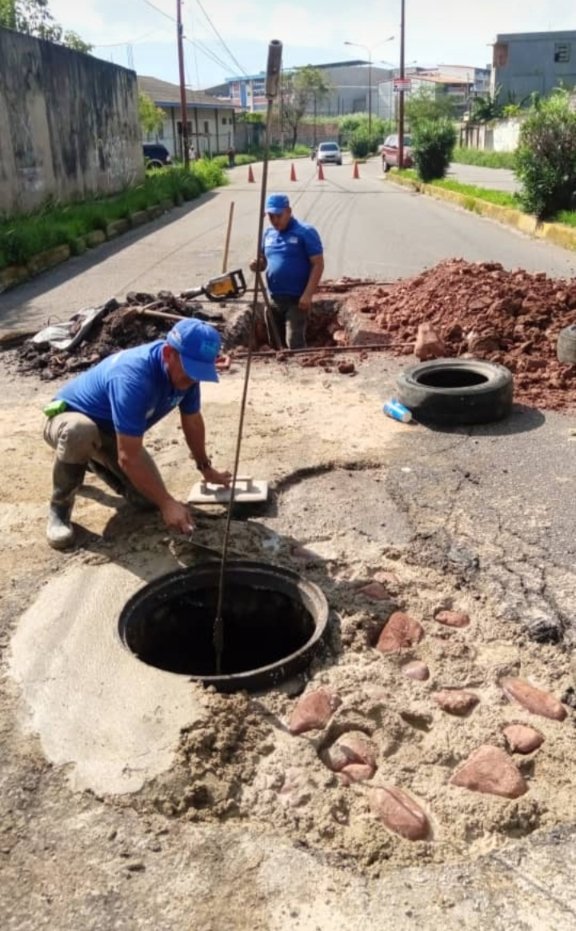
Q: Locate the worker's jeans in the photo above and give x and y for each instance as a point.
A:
(290, 321)
(77, 440)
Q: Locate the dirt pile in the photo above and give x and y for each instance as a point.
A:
(481, 310)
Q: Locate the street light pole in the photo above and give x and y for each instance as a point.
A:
(401, 91)
(369, 53)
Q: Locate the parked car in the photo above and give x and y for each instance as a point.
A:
(328, 152)
(389, 152)
(156, 155)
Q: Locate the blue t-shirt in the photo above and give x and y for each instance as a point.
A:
(288, 256)
(129, 391)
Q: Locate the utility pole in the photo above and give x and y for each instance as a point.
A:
(401, 91)
(183, 108)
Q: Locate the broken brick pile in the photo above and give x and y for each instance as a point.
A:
(481, 310)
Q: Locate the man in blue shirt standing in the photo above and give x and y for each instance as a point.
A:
(292, 256)
(98, 421)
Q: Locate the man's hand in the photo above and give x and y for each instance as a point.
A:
(214, 477)
(304, 303)
(177, 516)
(258, 265)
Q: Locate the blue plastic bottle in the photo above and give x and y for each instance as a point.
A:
(397, 411)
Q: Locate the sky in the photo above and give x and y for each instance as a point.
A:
(224, 38)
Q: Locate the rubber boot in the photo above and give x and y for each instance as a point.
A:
(67, 479)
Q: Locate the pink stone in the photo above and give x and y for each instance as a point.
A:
(491, 771)
(535, 700)
(453, 618)
(522, 739)
(375, 591)
(401, 631)
(356, 772)
(353, 747)
(399, 813)
(416, 670)
(428, 344)
(455, 701)
(313, 711)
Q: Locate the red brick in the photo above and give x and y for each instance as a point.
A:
(399, 813)
(489, 770)
(453, 618)
(313, 711)
(455, 701)
(533, 699)
(401, 631)
(522, 739)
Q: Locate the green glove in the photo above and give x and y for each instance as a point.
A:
(55, 407)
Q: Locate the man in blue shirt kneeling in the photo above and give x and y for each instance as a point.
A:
(98, 420)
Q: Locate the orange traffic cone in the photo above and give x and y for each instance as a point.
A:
(355, 173)
(250, 174)
(320, 172)
(293, 173)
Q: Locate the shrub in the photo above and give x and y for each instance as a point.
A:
(433, 142)
(546, 157)
(359, 143)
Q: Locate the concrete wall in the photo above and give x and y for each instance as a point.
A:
(525, 63)
(498, 136)
(68, 124)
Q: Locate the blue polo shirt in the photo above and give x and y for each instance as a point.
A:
(129, 391)
(288, 254)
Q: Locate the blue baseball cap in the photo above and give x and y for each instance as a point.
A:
(276, 203)
(198, 344)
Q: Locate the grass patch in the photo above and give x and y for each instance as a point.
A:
(502, 198)
(24, 236)
(484, 159)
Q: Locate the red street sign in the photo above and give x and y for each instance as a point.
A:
(402, 84)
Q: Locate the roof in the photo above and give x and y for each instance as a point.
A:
(168, 95)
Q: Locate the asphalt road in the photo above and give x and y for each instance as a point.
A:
(370, 228)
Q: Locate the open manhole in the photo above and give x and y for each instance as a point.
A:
(273, 622)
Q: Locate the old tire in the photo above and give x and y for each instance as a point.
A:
(566, 345)
(456, 391)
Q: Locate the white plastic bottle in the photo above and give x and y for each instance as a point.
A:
(397, 411)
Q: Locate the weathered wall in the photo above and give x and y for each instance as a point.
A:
(68, 124)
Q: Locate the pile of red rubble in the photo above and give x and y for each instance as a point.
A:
(480, 310)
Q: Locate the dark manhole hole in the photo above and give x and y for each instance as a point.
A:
(273, 624)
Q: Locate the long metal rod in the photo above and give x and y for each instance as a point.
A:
(272, 78)
(227, 243)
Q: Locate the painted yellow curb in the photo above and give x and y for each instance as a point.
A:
(557, 233)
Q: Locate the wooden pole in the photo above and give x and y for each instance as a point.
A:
(227, 244)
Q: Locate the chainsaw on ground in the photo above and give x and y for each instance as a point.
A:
(222, 288)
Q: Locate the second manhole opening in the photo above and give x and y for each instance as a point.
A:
(273, 623)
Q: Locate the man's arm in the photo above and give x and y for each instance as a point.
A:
(142, 471)
(316, 271)
(195, 435)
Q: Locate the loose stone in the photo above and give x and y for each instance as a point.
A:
(522, 739)
(399, 813)
(356, 772)
(416, 670)
(351, 748)
(453, 618)
(401, 631)
(535, 700)
(489, 770)
(313, 711)
(375, 591)
(455, 701)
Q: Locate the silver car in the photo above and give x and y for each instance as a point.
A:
(328, 152)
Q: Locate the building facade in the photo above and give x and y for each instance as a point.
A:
(210, 121)
(532, 62)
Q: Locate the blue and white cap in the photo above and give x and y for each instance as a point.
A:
(198, 345)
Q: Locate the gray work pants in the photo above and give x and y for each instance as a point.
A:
(77, 440)
(290, 321)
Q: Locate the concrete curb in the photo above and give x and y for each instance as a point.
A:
(13, 275)
(556, 233)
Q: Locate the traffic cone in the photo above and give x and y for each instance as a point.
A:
(320, 172)
(293, 173)
(250, 174)
(355, 173)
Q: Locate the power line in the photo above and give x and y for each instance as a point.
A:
(222, 42)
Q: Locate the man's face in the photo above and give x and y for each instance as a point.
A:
(280, 220)
(176, 373)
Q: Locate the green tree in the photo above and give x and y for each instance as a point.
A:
(151, 117)
(34, 18)
(425, 106)
(486, 107)
(300, 91)
(546, 156)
